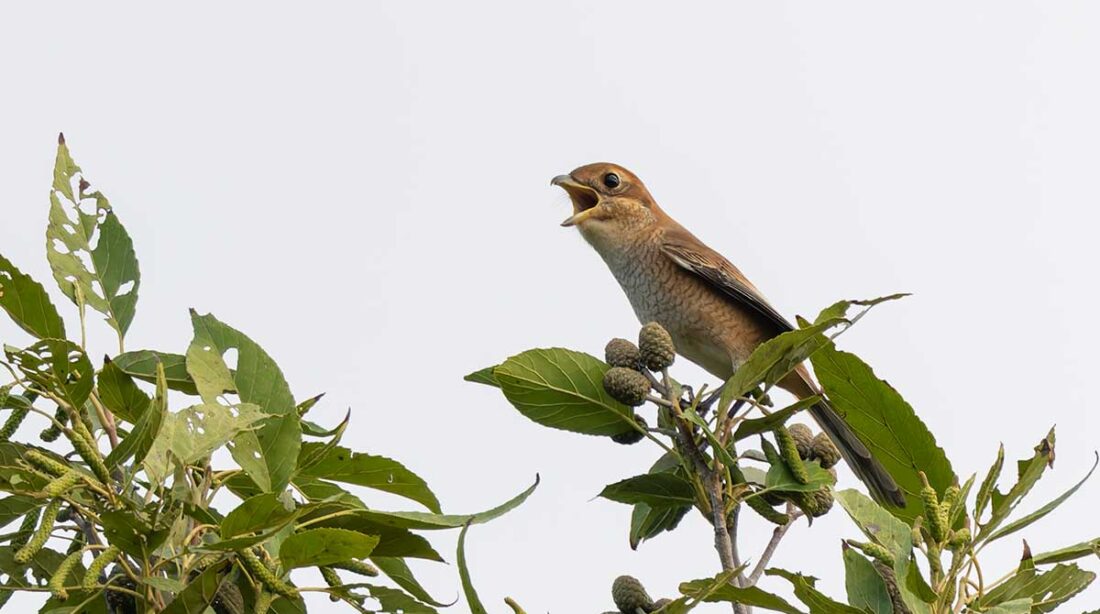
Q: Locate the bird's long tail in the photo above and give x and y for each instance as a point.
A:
(866, 467)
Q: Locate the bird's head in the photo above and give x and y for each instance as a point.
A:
(608, 202)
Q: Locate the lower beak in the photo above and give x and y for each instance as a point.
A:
(584, 198)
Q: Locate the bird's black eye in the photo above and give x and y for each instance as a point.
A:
(611, 180)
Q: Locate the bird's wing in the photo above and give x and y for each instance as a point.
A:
(690, 253)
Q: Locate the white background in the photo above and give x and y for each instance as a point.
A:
(363, 189)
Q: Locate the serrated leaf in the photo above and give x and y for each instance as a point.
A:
(1038, 514)
(1044, 591)
(142, 364)
(707, 591)
(138, 443)
(1028, 472)
(58, 366)
(804, 589)
(885, 423)
(472, 600)
(258, 380)
(111, 285)
(563, 389)
(342, 465)
(866, 588)
(324, 546)
(27, 303)
(483, 376)
(397, 570)
(653, 489)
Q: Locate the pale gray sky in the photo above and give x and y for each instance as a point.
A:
(363, 189)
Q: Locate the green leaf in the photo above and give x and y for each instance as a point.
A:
(120, 394)
(325, 546)
(393, 542)
(200, 592)
(397, 570)
(817, 601)
(1061, 555)
(423, 521)
(58, 366)
(258, 380)
(484, 376)
(885, 423)
(1028, 472)
(1044, 591)
(775, 358)
(1038, 514)
(780, 478)
(132, 533)
(646, 522)
(705, 590)
(378, 472)
(866, 589)
(259, 513)
(16, 506)
(653, 489)
(472, 600)
(110, 286)
(15, 477)
(142, 364)
(985, 491)
(141, 438)
(27, 303)
(563, 389)
(194, 433)
(311, 453)
(756, 426)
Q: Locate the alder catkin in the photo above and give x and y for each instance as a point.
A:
(38, 539)
(98, 565)
(46, 463)
(788, 449)
(85, 446)
(265, 576)
(63, 484)
(57, 580)
(362, 568)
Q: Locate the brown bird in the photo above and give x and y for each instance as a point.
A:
(715, 315)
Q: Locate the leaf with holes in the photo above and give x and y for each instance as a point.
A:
(27, 303)
(194, 433)
(885, 423)
(57, 366)
(342, 465)
(325, 547)
(1038, 514)
(563, 389)
(91, 254)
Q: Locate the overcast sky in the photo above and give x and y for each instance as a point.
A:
(363, 189)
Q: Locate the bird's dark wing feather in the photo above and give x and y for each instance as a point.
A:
(690, 253)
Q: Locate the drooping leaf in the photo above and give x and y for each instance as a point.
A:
(58, 366)
(394, 601)
(393, 542)
(397, 570)
(705, 590)
(27, 303)
(258, 380)
(1038, 514)
(1043, 590)
(654, 489)
(1028, 472)
(110, 286)
(885, 423)
(756, 426)
(866, 588)
(324, 546)
(259, 513)
(817, 601)
(146, 429)
(646, 521)
(120, 394)
(563, 389)
(472, 600)
(342, 465)
(483, 376)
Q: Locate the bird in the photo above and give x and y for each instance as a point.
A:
(715, 315)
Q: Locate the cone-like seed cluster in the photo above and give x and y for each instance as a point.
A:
(803, 438)
(825, 451)
(265, 576)
(98, 564)
(57, 580)
(630, 596)
(891, 581)
(632, 436)
(622, 353)
(38, 539)
(660, 603)
(818, 503)
(626, 386)
(362, 568)
(655, 345)
(229, 600)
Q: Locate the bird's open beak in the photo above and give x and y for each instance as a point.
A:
(584, 198)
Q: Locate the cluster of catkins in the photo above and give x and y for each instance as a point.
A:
(628, 380)
(631, 597)
(798, 444)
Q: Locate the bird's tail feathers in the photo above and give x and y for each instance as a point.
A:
(866, 467)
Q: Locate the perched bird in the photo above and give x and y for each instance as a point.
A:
(715, 315)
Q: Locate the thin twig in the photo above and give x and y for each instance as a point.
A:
(769, 550)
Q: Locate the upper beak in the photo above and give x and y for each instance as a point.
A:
(584, 198)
